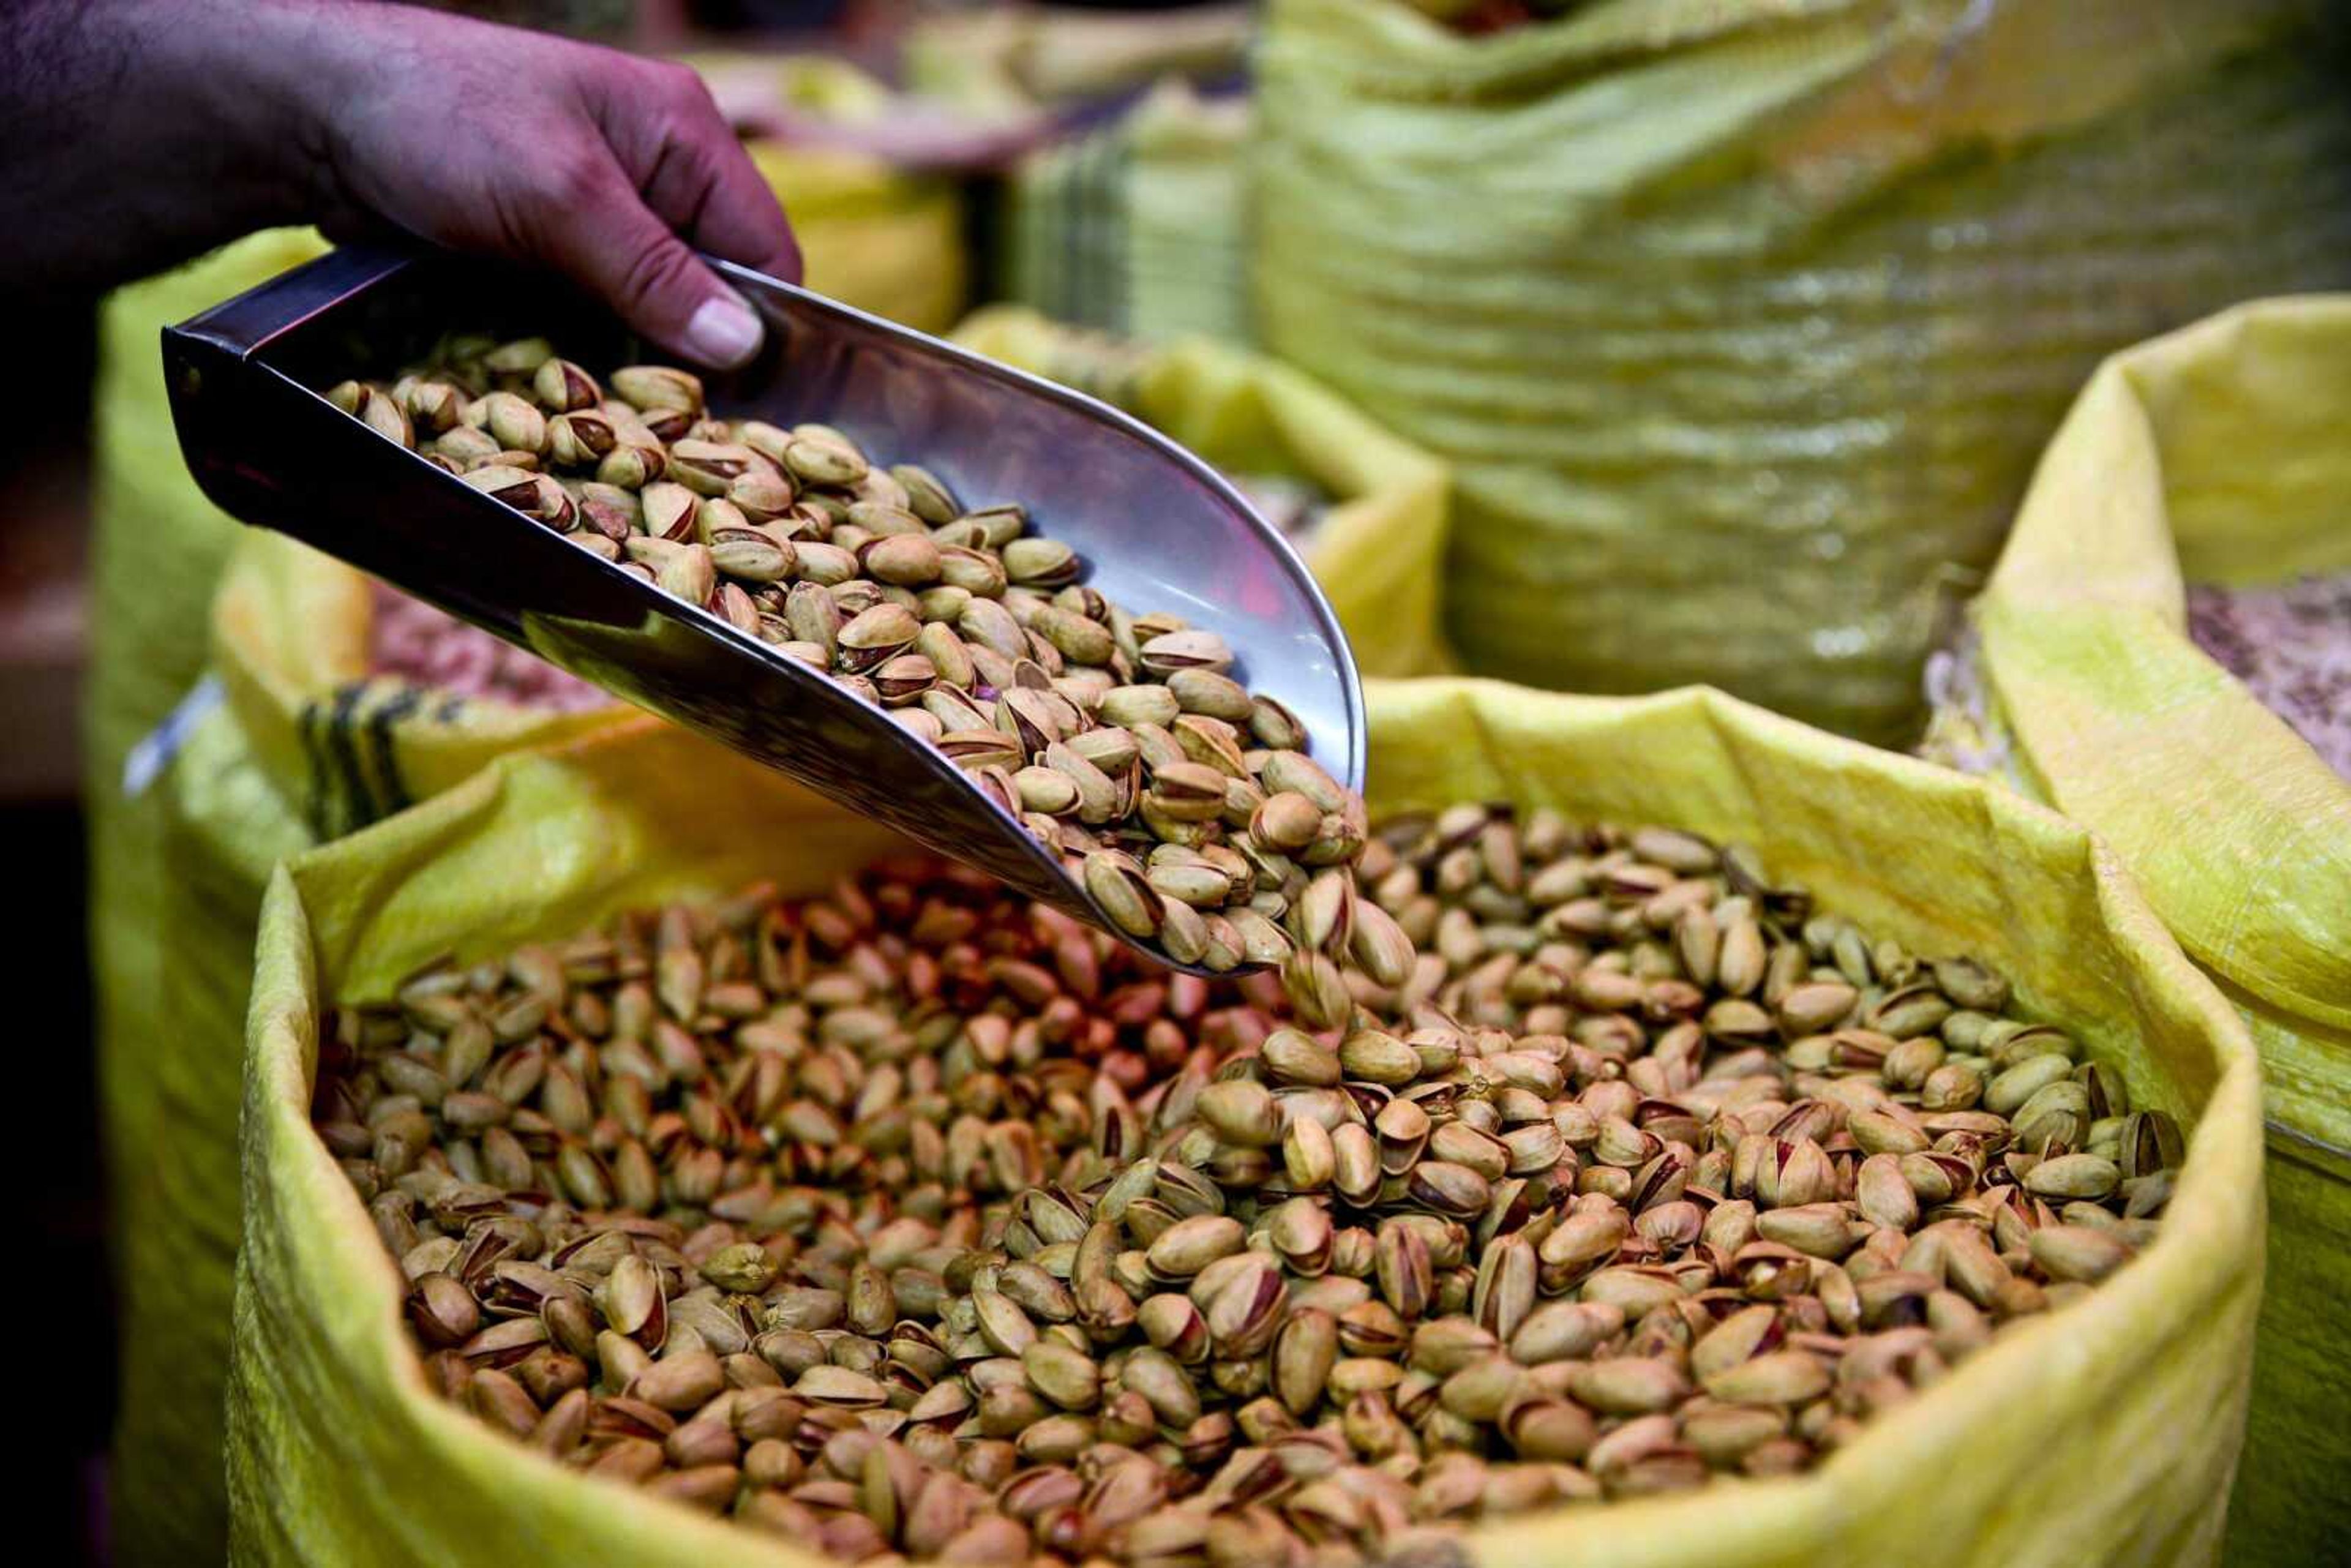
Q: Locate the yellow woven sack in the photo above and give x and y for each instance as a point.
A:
(2105, 1435)
(304, 747)
(871, 236)
(157, 551)
(158, 547)
(1743, 320)
(1378, 552)
(2215, 454)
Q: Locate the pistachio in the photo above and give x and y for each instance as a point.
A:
(2073, 1176)
(2073, 1252)
(564, 388)
(514, 424)
(655, 387)
(1187, 1247)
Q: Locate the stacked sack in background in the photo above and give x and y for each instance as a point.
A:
(2195, 476)
(1363, 507)
(2103, 1429)
(323, 730)
(1742, 322)
(1129, 217)
(1136, 227)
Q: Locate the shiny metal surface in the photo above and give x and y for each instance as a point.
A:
(1159, 529)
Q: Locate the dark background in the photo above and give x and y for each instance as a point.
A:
(62, 1320)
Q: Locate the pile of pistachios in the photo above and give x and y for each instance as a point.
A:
(2290, 645)
(430, 647)
(1186, 805)
(916, 1221)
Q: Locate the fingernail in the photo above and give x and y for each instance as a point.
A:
(724, 332)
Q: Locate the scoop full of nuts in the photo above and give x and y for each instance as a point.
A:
(1186, 804)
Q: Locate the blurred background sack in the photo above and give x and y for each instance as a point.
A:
(1742, 322)
(1136, 226)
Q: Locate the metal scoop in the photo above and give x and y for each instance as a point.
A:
(1159, 529)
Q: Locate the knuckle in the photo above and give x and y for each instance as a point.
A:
(577, 178)
(679, 88)
(681, 135)
(655, 271)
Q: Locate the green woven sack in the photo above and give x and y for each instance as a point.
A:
(2214, 455)
(1136, 227)
(2107, 1434)
(1742, 321)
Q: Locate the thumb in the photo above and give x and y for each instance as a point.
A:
(617, 247)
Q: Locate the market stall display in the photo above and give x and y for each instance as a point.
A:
(339, 1441)
(1538, 1127)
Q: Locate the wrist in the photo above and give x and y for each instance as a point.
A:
(266, 74)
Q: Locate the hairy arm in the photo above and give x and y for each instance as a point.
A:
(146, 131)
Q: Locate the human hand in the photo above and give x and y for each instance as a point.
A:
(146, 131)
(608, 167)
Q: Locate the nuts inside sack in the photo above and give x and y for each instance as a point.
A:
(917, 1221)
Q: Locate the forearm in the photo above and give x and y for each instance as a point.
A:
(146, 131)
